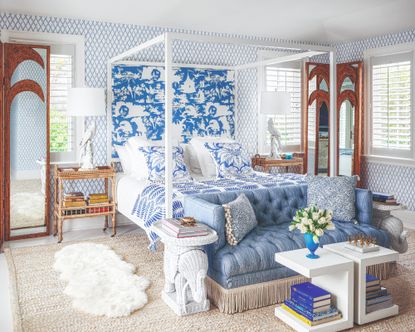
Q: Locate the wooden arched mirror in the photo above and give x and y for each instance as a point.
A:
(349, 118)
(317, 118)
(26, 140)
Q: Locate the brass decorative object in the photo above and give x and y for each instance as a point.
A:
(188, 221)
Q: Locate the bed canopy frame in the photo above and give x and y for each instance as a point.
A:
(167, 38)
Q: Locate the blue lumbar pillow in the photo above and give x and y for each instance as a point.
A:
(230, 159)
(240, 219)
(333, 193)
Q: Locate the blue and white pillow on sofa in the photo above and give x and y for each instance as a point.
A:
(230, 159)
(155, 158)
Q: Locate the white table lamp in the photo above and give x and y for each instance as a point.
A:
(273, 103)
(86, 102)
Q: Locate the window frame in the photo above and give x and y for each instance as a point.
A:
(388, 155)
(58, 40)
(264, 146)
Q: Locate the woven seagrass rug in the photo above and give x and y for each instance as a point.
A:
(38, 303)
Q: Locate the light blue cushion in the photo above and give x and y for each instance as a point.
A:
(230, 159)
(155, 158)
(333, 193)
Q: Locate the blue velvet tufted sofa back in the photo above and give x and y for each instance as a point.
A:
(272, 206)
(276, 205)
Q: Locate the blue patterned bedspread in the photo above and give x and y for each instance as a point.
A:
(149, 205)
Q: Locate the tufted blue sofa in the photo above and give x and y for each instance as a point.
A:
(252, 260)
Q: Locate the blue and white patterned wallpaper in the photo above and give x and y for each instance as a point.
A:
(203, 103)
(105, 40)
(395, 179)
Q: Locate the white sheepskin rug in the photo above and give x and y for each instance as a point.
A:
(99, 281)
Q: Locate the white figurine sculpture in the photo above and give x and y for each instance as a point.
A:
(276, 145)
(191, 274)
(87, 154)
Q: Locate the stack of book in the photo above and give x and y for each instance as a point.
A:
(98, 199)
(311, 304)
(74, 200)
(383, 198)
(377, 297)
(175, 228)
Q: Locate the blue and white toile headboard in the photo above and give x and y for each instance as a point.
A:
(203, 102)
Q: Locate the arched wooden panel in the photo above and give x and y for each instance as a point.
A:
(353, 71)
(321, 72)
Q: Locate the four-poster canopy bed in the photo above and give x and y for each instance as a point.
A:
(169, 191)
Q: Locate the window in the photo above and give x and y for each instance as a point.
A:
(63, 133)
(289, 80)
(391, 103)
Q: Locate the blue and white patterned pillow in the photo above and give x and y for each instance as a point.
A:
(333, 193)
(155, 158)
(230, 159)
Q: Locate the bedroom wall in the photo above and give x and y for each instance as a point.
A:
(383, 177)
(104, 40)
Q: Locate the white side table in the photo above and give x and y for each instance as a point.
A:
(185, 270)
(331, 272)
(362, 261)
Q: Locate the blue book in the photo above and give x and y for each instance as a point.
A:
(371, 280)
(310, 291)
(382, 292)
(382, 196)
(332, 311)
(309, 305)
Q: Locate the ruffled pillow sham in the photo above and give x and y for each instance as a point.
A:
(230, 159)
(155, 158)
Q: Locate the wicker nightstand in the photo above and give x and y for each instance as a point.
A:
(267, 163)
(62, 213)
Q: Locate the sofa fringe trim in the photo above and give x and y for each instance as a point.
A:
(260, 295)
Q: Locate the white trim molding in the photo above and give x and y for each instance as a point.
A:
(387, 156)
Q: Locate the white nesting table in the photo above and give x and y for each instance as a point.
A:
(331, 272)
(185, 269)
(362, 261)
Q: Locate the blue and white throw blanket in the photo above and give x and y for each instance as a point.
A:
(149, 205)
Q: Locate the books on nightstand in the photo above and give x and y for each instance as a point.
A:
(175, 228)
(377, 297)
(388, 199)
(311, 304)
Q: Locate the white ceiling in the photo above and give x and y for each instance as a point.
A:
(305, 20)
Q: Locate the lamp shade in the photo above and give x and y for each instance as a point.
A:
(86, 102)
(275, 102)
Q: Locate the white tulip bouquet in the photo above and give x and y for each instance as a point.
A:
(312, 220)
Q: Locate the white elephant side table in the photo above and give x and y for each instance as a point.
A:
(185, 270)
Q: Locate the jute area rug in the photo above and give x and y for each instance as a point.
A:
(38, 303)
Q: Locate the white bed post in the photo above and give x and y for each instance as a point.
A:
(168, 107)
(333, 115)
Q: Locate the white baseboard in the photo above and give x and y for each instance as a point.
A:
(92, 223)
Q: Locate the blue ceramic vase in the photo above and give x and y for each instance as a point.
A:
(311, 245)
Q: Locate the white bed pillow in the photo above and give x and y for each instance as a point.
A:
(125, 158)
(139, 168)
(206, 162)
(190, 158)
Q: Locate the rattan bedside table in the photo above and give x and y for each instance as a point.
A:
(62, 213)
